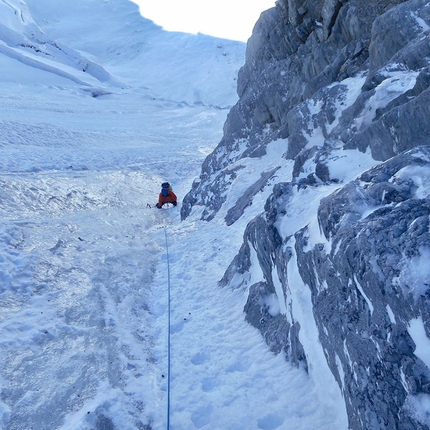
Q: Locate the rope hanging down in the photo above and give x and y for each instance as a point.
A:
(168, 329)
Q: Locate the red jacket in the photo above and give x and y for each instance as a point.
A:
(168, 199)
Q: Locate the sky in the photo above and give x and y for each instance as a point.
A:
(228, 19)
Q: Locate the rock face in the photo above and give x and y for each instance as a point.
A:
(305, 51)
(365, 291)
(334, 123)
(369, 285)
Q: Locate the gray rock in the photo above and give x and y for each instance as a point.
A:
(294, 90)
(301, 51)
(245, 200)
(363, 278)
(362, 294)
(279, 333)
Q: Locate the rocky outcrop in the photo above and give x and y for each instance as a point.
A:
(263, 306)
(337, 258)
(368, 286)
(302, 52)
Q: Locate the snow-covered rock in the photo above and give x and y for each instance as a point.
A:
(298, 90)
(368, 283)
(334, 88)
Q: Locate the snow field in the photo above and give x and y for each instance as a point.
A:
(78, 256)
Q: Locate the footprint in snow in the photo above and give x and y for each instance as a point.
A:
(209, 384)
(177, 327)
(239, 366)
(199, 358)
(270, 422)
(202, 416)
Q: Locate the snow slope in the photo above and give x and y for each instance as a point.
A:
(98, 107)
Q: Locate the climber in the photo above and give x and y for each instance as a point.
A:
(166, 196)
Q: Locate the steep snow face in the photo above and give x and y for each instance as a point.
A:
(22, 39)
(54, 38)
(82, 153)
(79, 252)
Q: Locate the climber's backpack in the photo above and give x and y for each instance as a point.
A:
(165, 186)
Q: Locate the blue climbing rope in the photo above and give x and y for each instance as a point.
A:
(168, 329)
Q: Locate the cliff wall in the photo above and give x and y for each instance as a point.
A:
(332, 131)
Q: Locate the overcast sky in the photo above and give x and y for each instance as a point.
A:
(229, 19)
